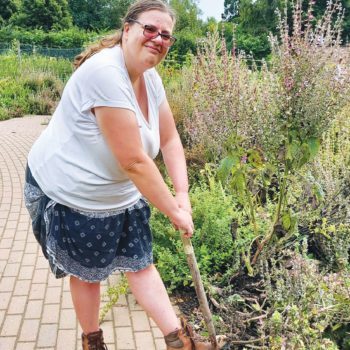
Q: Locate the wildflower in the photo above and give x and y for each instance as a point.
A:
(289, 83)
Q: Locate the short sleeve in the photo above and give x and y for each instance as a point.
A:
(107, 86)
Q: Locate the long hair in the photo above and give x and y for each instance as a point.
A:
(134, 11)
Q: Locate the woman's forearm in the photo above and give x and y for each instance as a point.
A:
(147, 178)
(174, 160)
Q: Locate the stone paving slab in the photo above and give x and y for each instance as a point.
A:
(36, 311)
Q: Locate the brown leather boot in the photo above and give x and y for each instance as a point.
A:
(184, 339)
(93, 341)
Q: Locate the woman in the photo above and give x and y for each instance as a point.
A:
(90, 170)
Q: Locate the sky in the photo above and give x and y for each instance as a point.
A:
(211, 8)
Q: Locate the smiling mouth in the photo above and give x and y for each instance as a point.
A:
(153, 48)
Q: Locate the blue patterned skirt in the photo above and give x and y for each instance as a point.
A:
(86, 244)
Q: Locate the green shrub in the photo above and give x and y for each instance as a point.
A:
(4, 115)
(303, 302)
(256, 45)
(13, 98)
(212, 241)
(45, 92)
(31, 84)
(321, 197)
(186, 43)
(68, 38)
(41, 103)
(18, 68)
(268, 122)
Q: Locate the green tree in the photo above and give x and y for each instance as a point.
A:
(98, 14)
(254, 21)
(253, 16)
(230, 10)
(189, 28)
(45, 14)
(7, 9)
(187, 13)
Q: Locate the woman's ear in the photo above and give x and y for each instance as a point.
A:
(126, 29)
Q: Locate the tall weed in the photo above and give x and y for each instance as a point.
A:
(268, 123)
(331, 168)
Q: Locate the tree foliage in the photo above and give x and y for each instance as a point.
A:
(189, 27)
(230, 10)
(98, 14)
(45, 14)
(7, 8)
(187, 13)
(255, 19)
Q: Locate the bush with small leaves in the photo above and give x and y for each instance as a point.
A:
(212, 240)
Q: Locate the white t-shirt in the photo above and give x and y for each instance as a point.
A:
(71, 161)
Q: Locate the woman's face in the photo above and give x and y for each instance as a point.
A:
(148, 52)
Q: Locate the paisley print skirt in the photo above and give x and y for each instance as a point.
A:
(86, 244)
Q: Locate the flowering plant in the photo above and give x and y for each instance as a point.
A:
(267, 122)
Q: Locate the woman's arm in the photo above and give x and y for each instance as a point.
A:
(173, 155)
(121, 131)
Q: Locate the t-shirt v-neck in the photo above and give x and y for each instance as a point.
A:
(147, 121)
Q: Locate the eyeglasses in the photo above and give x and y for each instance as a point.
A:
(151, 32)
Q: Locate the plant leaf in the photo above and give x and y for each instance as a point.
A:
(286, 221)
(314, 146)
(226, 166)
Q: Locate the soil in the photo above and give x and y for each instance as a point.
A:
(234, 321)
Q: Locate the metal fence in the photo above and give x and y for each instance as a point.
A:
(28, 49)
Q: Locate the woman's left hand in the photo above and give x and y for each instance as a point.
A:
(183, 201)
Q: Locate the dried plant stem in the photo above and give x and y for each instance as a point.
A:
(255, 318)
(281, 198)
(246, 342)
(251, 211)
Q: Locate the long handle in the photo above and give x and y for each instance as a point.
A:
(198, 284)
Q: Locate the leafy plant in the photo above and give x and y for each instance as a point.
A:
(66, 38)
(212, 241)
(113, 294)
(269, 122)
(303, 302)
(30, 84)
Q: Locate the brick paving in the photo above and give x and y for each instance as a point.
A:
(36, 311)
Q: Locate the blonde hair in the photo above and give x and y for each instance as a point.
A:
(134, 11)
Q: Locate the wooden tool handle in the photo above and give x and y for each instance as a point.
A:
(198, 284)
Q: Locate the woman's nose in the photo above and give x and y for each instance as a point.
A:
(158, 39)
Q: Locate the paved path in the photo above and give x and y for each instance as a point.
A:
(36, 310)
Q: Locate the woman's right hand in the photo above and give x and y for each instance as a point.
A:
(182, 221)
